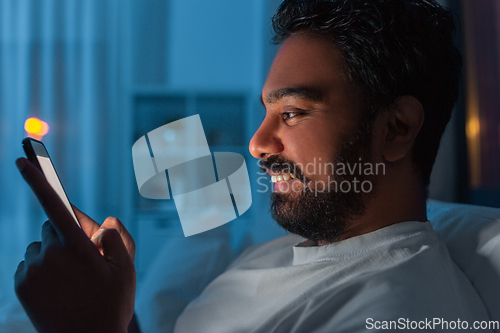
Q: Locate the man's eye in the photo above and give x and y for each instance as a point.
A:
(289, 115)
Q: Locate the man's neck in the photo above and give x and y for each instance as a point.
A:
(398, 199)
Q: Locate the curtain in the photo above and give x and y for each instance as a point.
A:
(61, 61)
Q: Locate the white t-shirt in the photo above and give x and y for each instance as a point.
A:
(398, 275)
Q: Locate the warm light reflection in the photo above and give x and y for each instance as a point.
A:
(472, 123)
(36, 128)
(473, 127)
(473, 132)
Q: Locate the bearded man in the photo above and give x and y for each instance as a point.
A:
(355, 83)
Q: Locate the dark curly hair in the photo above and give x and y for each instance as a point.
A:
(390, 48)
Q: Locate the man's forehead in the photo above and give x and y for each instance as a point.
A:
(306, 66)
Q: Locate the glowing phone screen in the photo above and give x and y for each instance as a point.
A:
(51, 175)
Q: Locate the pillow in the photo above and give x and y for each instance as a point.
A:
(472, 235)
(178, 274)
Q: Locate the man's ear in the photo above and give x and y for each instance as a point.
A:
(404, 120)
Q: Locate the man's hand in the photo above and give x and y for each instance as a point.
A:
(92, 229)
(68, 284)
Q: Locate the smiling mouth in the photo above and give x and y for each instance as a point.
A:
(282, 177)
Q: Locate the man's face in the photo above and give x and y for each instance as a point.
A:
(313, 123)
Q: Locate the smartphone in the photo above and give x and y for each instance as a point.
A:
(37, 154)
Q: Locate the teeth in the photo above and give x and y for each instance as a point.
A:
(279, 178)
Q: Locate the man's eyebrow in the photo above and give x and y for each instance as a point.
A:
(307, 93)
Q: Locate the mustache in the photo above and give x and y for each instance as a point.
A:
(280, 164)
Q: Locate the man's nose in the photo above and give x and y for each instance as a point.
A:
(266, 141)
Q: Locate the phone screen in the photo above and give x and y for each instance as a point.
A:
(50, 174)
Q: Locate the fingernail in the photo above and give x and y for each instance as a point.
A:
(100, 232)
(20, 163)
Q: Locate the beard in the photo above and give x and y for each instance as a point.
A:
(319, 215)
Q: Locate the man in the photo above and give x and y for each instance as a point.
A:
(356, 101)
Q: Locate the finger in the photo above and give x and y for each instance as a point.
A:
(20, 269)
(20, 283)
(18, 276)
(113, 222)
(88, 225)
(52, 205)
(32, 252)
(113, 248)
(49, 235)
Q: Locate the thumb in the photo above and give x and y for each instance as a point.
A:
(111, 245)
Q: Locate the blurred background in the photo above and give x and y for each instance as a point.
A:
(101, 74)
